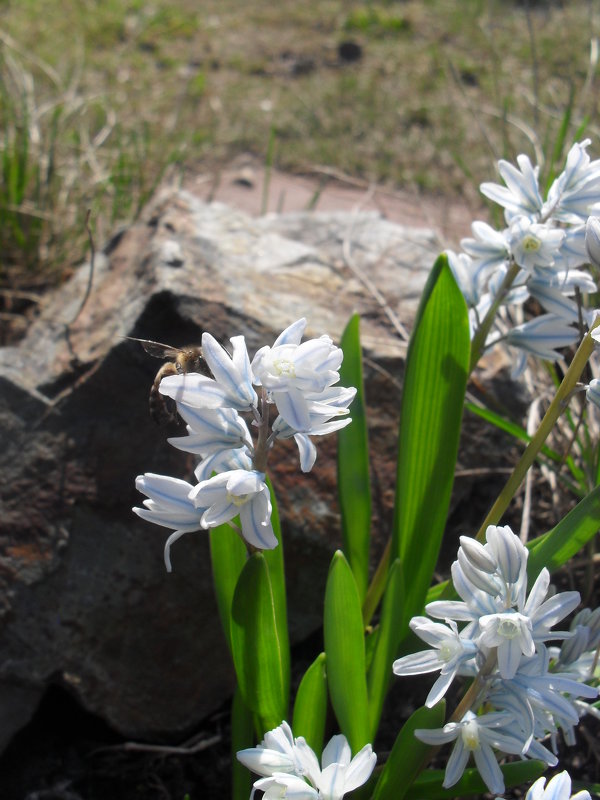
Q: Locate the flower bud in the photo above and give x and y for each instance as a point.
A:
(575, 646)
(477, 555)
(592, 240)
(592, 392)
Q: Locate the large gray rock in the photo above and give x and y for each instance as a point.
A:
(84, 597)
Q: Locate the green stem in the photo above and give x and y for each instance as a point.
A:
(478, 343)
(556, 408)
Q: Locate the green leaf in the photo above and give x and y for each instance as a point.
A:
(430, 421)
(242, 737)
(354, 488)
(568, 537)
(275, 561)
(388, 638)
(408, 754)
(257, 650)
(345, 650)
(228, 555)
(310, 708)
(428, 786)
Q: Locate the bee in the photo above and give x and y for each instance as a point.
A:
(180, 360)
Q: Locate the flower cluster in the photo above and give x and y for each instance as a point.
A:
(537, 255)
(558, 788)
(519, 696)
(291, 768)
(298, 378)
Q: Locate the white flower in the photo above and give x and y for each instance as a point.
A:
(232, 383)
(242, 492)
(453, 651)
(168, 504)
(553, 300)
(558, 788)
(211, 430)
(476, 735)
(291, 768)
(322, 406)
(543, 336)
(534, 245)
(577, 189)
(489, 248)
(521, 194)
(510, 633)
(592, 240)
(276, 753)
(572, 251)
(340, 772)
(289, 370)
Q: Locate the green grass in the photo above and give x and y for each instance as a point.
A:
(99, 98)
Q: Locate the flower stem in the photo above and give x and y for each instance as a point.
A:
(260, 451)
(556, 408)
(478, 343)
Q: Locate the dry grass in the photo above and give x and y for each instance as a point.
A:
(100, 97)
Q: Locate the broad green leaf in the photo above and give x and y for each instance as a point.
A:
(228, 556)
(275, 561)
(242, 737)
(408, 754)
(432, 401)
(257, 650)
(388, 638)
(568, 537)
(354, 487)
(428, 786)
(345, 650)
(310, 708)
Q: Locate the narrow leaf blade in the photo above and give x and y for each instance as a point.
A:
(256, 647)
(310, 708)
(228, 556)
(408, 754)
(345, 650)
(388, 638)
(354, 486)
(275, 561)
(560, 544)
(242, 737)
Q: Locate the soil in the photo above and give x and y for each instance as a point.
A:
(246, 184)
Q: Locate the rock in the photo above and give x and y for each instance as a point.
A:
(84, 597)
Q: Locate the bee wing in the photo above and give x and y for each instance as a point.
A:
(157, 349)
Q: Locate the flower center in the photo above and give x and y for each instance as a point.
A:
(283, 366)
(448, 650)
(531, 244)
(470, 735)
(508, 629)
(238, 499)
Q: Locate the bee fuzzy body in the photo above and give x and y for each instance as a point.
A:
(181, 361)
